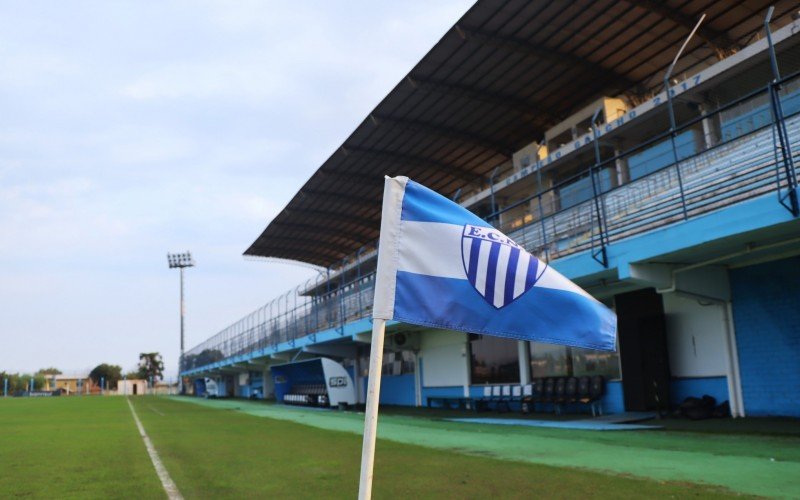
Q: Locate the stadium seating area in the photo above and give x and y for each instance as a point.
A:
(554, 393)
(742, 168)
(307, 395)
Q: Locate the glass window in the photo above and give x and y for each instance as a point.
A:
(549, 360)
(590, 362)
(494, 360)
(397, 363)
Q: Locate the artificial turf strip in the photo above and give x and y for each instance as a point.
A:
(213, 453)
(76, 447)
(747, 464)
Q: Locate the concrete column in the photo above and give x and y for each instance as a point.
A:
(417, 380)
(732, 364)
(467, 366)
(269, 384)
(358, 380)
(524, 362)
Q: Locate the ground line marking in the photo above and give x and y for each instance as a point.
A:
(156, 411)
(169, 485)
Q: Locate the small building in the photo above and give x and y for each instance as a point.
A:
(132, 387)
(70, 384)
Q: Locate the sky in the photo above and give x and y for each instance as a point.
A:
(133, 129)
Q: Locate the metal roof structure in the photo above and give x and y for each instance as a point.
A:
(501, 76)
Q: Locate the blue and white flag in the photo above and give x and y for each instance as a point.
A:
(440, 265)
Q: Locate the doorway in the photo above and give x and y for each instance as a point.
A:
(643, 350)
(135, 389)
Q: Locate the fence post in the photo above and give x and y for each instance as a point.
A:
(600, 255)
(780, 125)
(672, 125)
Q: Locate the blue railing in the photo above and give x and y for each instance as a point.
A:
(714, 170)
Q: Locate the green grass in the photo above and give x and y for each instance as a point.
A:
(218, 453)
(89, 448)
(73, 448)
(748, 464)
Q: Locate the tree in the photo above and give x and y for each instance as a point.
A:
(110, 373)
(49, 371)
(21, 382)
(151, 366)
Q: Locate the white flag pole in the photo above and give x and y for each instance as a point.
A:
(382, 310)
(371, 415)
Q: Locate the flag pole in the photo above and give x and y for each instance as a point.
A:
(371, 414)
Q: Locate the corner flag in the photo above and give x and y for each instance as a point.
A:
(440, 265)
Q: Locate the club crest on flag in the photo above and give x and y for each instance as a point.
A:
(499, 269)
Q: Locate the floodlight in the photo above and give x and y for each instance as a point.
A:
(180, 261)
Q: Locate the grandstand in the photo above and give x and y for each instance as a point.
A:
(551, 121)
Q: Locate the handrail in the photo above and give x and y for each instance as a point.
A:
(721, 173)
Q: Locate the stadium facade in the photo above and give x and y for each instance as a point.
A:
(673, 201)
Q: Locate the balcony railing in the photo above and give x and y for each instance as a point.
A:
(741, 160)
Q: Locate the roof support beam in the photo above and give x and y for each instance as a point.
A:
(443, 131)
(317, 230)
(414, 161)
(336, 197)
(722, 44)
(315, 242)
(541, 52)
(374, 181)
(362, 222)
(507, 103)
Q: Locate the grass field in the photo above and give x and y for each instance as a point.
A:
(89, 447)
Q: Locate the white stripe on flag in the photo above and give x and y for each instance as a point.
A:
(431, 248)
(551, 278)
(522, 273)
(467, 249)
(500, 276)
(483, 266)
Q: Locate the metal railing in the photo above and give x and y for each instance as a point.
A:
(285, 319)
(732, 164)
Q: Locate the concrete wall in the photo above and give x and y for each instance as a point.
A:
(766, 313)
(695, 337)
(444, 354)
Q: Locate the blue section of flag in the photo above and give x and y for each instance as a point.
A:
(499, 291)
(542, 314)
(421, 204)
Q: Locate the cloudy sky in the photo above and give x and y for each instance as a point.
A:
(130, 129)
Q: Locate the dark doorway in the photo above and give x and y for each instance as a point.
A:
(135, 388)
(643, 350)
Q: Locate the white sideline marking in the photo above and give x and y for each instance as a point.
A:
(169, 485)
(154, 410)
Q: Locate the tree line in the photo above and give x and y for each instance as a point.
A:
(151, 367)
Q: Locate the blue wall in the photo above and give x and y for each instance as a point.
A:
(660, 155)
(766, 313)
(682, 388)
(581, 190)
(758, 117)
(397, 389)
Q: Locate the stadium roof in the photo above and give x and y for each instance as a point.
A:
(502, 75)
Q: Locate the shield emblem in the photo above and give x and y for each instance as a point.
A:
(499, 269)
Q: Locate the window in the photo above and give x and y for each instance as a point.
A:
(560, 361)
(398, 363)
(493, 360)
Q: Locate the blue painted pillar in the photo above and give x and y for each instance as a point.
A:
(102, 384)
(31, 388)
(5, 387)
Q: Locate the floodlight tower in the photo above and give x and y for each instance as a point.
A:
(180, 261)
